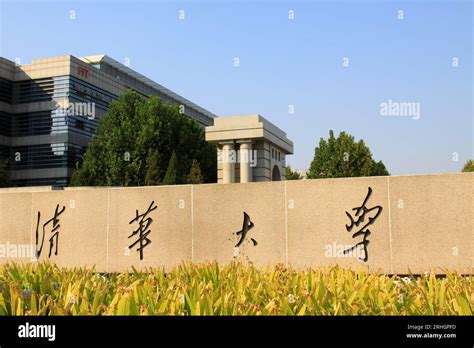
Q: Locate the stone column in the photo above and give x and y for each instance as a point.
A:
(228, 163)
(245, 156)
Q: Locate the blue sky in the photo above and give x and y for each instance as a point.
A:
(286, 62)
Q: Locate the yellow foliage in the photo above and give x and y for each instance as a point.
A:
(234, 289)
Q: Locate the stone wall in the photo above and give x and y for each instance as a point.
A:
(408, 223)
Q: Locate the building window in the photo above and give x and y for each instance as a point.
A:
(278, 156)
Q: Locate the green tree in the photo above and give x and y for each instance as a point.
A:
(195, 175)
(292, 175)
(469, 166)
(152, 170)
(343, 157)
(119, 154)
(170, 176)
(4, 174)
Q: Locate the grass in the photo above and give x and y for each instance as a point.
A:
(234, 289)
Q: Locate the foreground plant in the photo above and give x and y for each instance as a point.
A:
(234, 289)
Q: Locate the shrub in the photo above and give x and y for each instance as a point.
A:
(234, 289)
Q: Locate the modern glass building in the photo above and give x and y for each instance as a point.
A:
(49, 110)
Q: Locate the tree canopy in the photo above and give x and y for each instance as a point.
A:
(291, 174)
(344, 157)
(195, 174)
(138, 140)
(468, 166)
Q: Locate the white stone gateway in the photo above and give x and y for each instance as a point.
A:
(249, 148)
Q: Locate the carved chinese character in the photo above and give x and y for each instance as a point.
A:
(247, 226)
(143, 230)
(361, 215)
(54, 239)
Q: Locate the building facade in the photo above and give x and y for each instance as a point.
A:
(249, 149)
(49, 110)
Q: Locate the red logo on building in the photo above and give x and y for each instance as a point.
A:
(82, 71)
